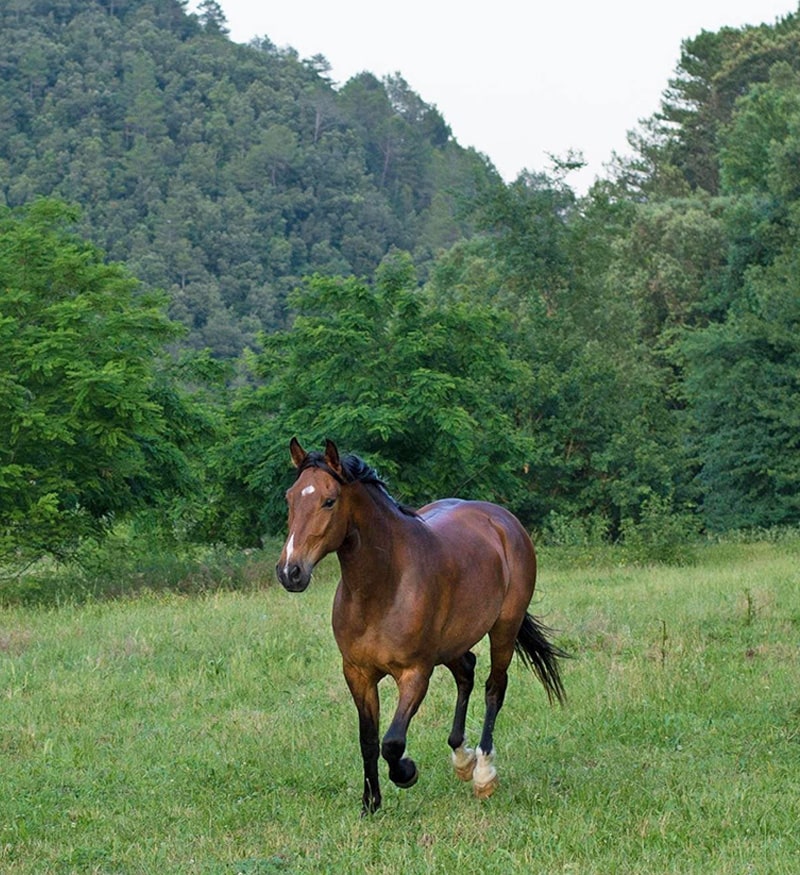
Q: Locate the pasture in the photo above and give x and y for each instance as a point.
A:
(214, 734)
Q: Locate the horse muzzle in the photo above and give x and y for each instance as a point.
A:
(293, 576)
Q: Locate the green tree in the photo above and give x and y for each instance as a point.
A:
(742, 384)
(594, 406)
(418, 388)
(678, 150)
(186, 152)
(754, 145)
(670, 264)
(212, 17)
(741, 373)
(84, 434)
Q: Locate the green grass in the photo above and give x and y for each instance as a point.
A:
(214, 734)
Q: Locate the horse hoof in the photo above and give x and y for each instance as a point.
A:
(367, 810)
(464, 760)
(406, 768)
(410, 783)
(484, 778)
(484, 791)
(464, 773)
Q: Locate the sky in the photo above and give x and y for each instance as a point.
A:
(517, 81)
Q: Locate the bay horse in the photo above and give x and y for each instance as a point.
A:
(418, 589)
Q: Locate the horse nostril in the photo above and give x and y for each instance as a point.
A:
(293, 576)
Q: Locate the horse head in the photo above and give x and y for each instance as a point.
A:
(318, 516)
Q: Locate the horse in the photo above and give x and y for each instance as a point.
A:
(418, 588)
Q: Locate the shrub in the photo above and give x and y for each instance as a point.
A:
(661, 534)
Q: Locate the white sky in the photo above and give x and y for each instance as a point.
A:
(515, 80)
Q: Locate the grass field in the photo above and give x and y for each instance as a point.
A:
(214, 734)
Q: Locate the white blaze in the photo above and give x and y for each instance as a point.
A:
(289, 551)
(309, 490)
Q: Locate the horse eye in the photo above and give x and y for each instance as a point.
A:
(329, 502)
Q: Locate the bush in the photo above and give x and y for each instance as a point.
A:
(661, 534)
(125, 563)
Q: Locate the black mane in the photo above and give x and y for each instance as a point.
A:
(354, 470)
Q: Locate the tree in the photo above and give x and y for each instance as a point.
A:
(670, 264)
(418, 388)
(742, 384)
(84, 436)
(594, 406)
(754, 153)
(742, 372)
(186, 152)
(679, 148)
(212, 17)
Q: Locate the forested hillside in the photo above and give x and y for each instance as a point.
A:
(624, 365)
(218, 172)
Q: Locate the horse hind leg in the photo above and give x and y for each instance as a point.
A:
(463, 757)
(484, 778)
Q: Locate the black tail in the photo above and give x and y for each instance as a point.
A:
(541, 656)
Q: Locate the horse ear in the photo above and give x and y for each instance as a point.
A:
(332, 456)
(297, 452)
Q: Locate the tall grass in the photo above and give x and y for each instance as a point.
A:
(124, 565)
(213, 733)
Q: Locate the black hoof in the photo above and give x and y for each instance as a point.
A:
(405, 774)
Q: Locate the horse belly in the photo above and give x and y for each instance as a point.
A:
(475, 604)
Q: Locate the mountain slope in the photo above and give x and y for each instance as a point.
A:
(219, 172)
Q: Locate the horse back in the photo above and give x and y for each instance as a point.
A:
(475, 533)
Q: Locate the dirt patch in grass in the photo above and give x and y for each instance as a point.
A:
(14, 641)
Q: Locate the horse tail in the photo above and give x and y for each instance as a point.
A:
(541, 656)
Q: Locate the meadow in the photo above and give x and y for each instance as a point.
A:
(213, 733)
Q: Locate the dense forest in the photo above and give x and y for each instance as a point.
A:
(220, 173)
(207, 248)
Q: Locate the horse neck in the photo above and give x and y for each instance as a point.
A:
(378, 530)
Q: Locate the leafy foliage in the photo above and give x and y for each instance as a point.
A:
(86, 431)
(623, 364)
(415, 386)
(743, 382)
(716, 276)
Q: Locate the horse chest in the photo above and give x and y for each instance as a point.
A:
(386, 635)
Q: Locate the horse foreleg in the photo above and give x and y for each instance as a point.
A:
(412, 686)
(463, 670)
(364, 689)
